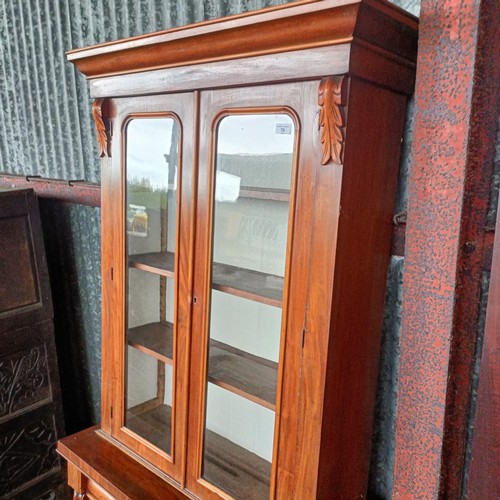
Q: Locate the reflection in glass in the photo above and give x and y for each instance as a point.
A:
(151, 175)
(250, 226)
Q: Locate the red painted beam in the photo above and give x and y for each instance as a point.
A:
(457, 103)
(76, 191)
(484, 475)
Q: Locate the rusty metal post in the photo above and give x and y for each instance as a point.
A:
(457, 104)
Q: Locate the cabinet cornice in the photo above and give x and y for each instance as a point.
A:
(293, 27)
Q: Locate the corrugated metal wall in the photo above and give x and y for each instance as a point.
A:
(46, 129)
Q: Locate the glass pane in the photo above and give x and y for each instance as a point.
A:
(151, 174)
(252, 191)
(149, 398)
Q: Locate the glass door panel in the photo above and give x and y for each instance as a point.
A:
(253, 174)
(151, 204)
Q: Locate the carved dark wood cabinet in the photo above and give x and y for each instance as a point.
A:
(249, 168)
(31, 418)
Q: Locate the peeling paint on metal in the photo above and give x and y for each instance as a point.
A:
(455, 128)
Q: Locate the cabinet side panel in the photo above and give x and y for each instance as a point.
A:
(313, 256)
(373, 138)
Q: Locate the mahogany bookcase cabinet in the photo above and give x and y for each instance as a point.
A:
(249, 167)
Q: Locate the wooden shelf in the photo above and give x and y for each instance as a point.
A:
(245, 283)
(248, 284)
(162, 263)
(154, 424)
(247, 375)
(155, 339)
(234, 469)
(265, 193)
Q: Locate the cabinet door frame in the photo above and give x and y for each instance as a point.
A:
(114, 262)
(298, 100)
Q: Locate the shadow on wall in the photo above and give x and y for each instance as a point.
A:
(72, 243)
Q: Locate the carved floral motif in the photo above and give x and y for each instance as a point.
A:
(332, 100)
(24, 381)
(102, 132)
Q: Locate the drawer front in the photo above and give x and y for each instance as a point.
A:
(97, 492)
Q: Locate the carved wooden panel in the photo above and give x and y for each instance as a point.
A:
(31, 417)
(27, 452)
(24, 381)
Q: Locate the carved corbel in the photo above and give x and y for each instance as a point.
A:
(332, 100)
(100, 114)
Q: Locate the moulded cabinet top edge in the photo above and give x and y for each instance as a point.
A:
(299, 25)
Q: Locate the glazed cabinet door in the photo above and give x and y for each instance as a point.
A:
(147, 208)
(255, 162)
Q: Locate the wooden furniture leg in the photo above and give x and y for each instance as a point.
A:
(78, 482)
